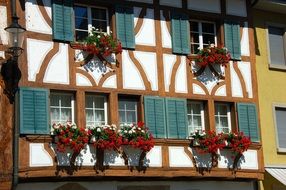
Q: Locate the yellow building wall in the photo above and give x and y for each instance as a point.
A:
(271, 89)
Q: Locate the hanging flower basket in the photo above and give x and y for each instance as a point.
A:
(209, 142)
(99, 44)
(238, 143)
(211, 56)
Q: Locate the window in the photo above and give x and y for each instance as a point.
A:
(61, 107)
(95, 110)
(195, 116)
(202, 35)
(277, 45)
(128, 110)
(88, 17)
(222, 118)
(280, 120)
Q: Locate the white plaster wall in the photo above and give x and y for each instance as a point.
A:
(39, 157)
(245, 69)
(34, 19)
(154, 157)
(146, 34)
(131, 76)
(168, 62)
(221, 91)
(148, 62)
(181, 77)
(198, 90)
(174, 185)
(58, 68)
(36, 56)
(178, 157)
(236, 88)
(112, 158)
(110, 82)
(3, 24)
(82, 80)
(245, 41)
(171, 3)
(205, 5)
(166, 36)
(236, 7)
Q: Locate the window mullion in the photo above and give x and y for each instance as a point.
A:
(200, 35)
(89, 20)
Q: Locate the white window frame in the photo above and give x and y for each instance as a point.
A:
(125, 110)
(275, 66)
(201, 44)
(202, 114)
(228, 115)
(72, 105)
(104, 107)
(89, 18)
(277, 105)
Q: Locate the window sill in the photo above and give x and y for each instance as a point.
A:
(281, 150)
(277, 67)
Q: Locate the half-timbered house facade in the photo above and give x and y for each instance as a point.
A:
(155, 79)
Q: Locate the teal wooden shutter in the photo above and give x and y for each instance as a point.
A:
(180, 33)
(34, 111)
(176, 113)
(154, 109)
(125, 26)
(247, 120)
(62, 19)
(232, 39)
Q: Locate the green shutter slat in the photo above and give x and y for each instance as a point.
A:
(62, 19)
(27, 112)
(125, 26)
(154, 109)
(68, 20)
(33, 111)
(180, 33)
(176, 112)
(232, 39)
(247, 120)
(236, 41)
(41, 110)
(253, 123)
(58, 20)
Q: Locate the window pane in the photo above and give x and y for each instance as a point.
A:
(54, 100)
(80, 35)
(101, 25)
(66, 114)
(81, 23)
(195, 48)
(98, 13)
(221, 110)
(208, 28)
(194, 37)
(131, 117)
(55, 115)
(89, 115)
(208, 39)
(80, 11)
(194, 26)
(122, 116)
(281, 126)
(131, 105)
(276, 44)
(66, 100)
(99, 116)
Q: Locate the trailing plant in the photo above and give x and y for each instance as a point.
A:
(99, 43)
(136, 135)
(212, 55)
(69, 135)
(105, 137)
